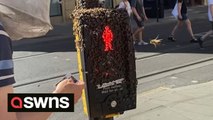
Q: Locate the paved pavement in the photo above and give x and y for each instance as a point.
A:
(170, 99)
(185, 103)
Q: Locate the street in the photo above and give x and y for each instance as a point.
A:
(40, 64)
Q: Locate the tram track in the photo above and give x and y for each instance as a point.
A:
(149, 77)
(180, 68)
(138, 58)
(61, 75)
(170, 70)
(30, 56)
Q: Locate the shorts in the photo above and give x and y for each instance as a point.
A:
(139, 23)
(184, 17)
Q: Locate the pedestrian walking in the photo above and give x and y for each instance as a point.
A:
(180, 12)
(139, 16)
(124, 4)
(210, 15)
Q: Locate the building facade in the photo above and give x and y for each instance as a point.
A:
(60, 10)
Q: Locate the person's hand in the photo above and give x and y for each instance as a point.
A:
(145, 18)
(139, 18)
(180, 17)
(68, 86)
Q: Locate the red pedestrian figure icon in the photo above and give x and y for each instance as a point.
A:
(108, 38)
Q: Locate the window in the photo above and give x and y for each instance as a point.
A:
(55, 8)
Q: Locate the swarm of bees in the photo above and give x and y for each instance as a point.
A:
(156, 42)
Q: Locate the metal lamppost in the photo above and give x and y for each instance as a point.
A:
(157, 10)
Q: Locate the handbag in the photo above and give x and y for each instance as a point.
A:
(175, 11)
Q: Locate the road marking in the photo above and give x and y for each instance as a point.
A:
(173, 77)
(68, 59)
(194, 81)
(178, 69)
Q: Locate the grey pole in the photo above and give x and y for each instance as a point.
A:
(157, 10)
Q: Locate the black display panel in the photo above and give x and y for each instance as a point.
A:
(109, 59)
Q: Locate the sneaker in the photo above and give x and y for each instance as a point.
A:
(194, 41)
(171, 38)
(142, 43)
(133, 42)
(200, 42)
(145, 43)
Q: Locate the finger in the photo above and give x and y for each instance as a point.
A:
(76, 87)
(77, 96)
(74, 79)
(69, 80)
(76, 100)
(81, 86)
(80, 82)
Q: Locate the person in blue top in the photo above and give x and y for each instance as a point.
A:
(6, 63)
(7, 80)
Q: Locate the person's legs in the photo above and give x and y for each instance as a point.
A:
(135, 33)
(207, 34)
(140, 36)
(202, 38)
(177, 26)
(138, 33)
(189, 28)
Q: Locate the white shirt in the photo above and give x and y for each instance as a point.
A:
(210, 2)
(125, 5)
